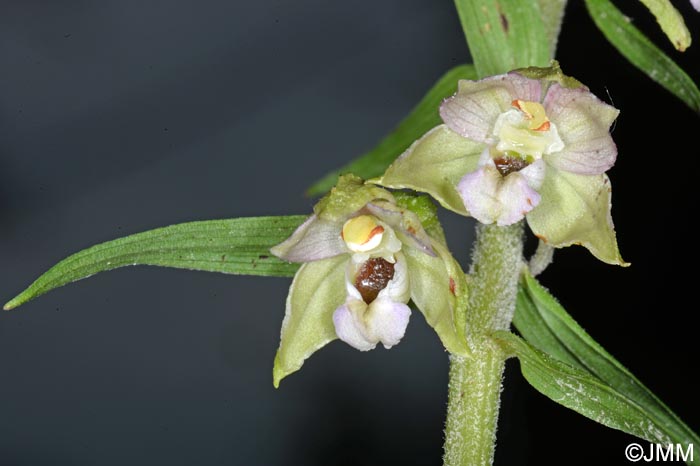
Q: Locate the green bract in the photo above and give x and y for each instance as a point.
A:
(532, 144)
(364, 255)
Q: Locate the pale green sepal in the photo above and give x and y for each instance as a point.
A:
(438, 289)
(316, 292)
(575, 209)
(347, 197)
(434, 164)
(671, 22)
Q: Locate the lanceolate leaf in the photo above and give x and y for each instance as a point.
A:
(544, 323)
(504, 34)
(552, 15)
(642, 53)
(586, 394)
(235, 246)
(423, 117)
(671, 22)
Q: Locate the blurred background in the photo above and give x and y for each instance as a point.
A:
(121, 116)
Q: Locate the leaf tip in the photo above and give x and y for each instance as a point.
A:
(17, 301)
(11, 304)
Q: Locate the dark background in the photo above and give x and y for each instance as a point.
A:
(122, 116)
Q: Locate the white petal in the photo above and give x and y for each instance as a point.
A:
(478, 190)
(696, 4)
(349, 325)
(350, 274)
(387, 321)
(315, 239)
(398, 288)
(534, 173)
(491, 198)
(517, 198)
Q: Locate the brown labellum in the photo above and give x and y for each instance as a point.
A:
(373, 277)
(507, 165)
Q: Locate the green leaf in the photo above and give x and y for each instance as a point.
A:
(671, 22)
(642, 53)
(552, 15)
(423, 117)
(584, 393)
(504, 34)
(235, 246)
(434, 164)
(316, 292)
(575, 209)
(544, 323)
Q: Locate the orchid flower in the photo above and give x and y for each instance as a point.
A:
(364, 257)
(531, 144)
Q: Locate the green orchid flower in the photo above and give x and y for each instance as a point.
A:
(365, 255)
(531, 144)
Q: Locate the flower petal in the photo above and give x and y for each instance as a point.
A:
(315, 239)
(434, 164)
(534, 173)
(575, 209)
(317, 290)
(479, 191)
(398, 288)
(404, 222)
(349, 325)
(387, 321)
(492, 198)
(439, 291)
(583, 122)
(473, 111)
(362, 326)
(517, 198)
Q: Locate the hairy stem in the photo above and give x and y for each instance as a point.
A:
(472, 410)
(475, 383)
(496, 263)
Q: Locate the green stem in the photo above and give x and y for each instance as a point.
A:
(496, 263)
(475, 382)
(472, 410)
